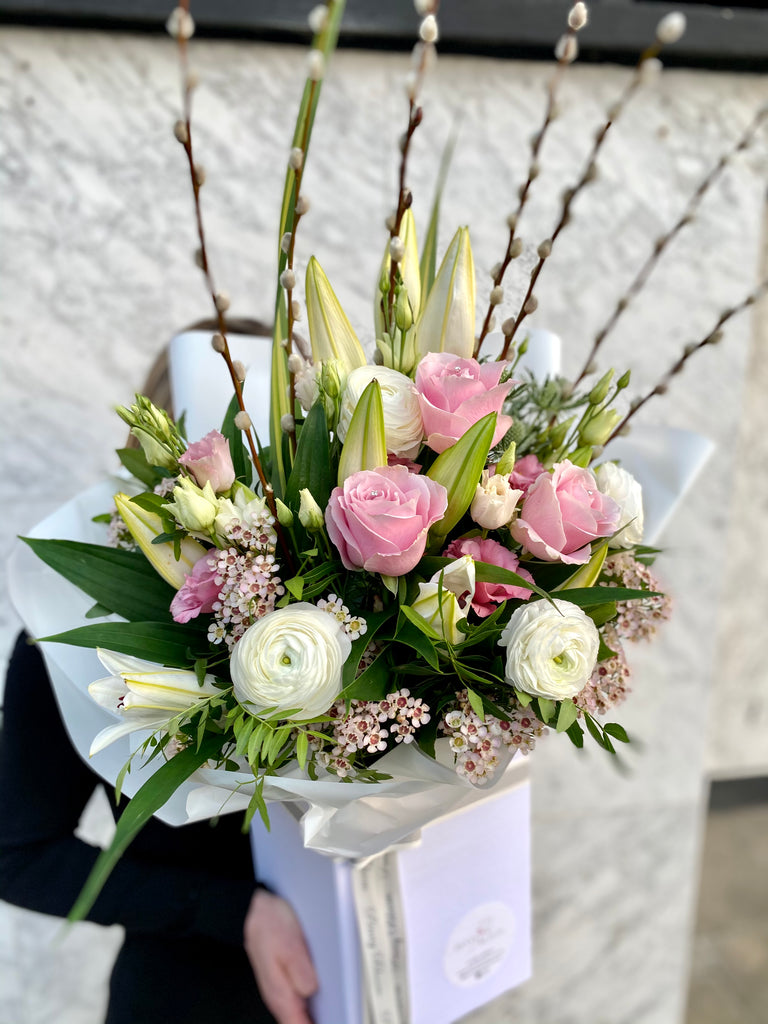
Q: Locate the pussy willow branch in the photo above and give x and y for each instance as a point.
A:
(663, 242)
(589, 174)
(404, 195)
(533, 168)
(205, 266)
(712, 338)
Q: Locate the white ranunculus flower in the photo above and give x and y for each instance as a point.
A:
(147, 694)
(551, 649)
(291, 659)
(403, 427)
(494, 502)
(620, 485)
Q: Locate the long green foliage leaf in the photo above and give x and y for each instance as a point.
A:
(150, 798)
(162, 642)
(122, 581)
(312, 466)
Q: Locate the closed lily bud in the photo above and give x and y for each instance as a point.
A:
(310, 514)
(447, 321)
(144, 526)
(330, 332)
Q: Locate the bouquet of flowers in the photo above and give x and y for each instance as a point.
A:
(431, 550)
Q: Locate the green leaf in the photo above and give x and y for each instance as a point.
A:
(375, 622)
(594, 730)
(484, 573)
(429, 252)
(135, 461)
(240, 458)
(458, 469)
(546, 708)
(575, 734)
(617, 731)
(524, 699)
(603, 613)
(413, 636)
(587, 575)
(97, 611)
(153, 794)
(566, 715)
(295, 587)
(162, 642)
(312, 464)
(122, 581)
(420, 623)
(593, 596)
(302, 748)
(365, 445)
(373, 683)
(476, 703)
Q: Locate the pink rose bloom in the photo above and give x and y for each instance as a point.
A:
(198, 592)
(400, 460)
(525, 472)
(379, 518)
(455, 393)
(562, 513)
(489, 594)
(209, 461)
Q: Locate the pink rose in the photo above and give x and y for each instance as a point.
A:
(562, 512)
(379, 518)
(455, 393)
(525, 471)
(209, 461)
(489, 594)
(198, 592)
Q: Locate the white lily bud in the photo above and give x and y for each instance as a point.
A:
(444, 610)
(447, 321)
(144, 526)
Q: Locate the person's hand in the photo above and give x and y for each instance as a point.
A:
(275, 945)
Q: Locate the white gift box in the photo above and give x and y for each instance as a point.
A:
(425, 932)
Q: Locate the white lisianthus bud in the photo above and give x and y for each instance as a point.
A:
(620, 485)
(444, 611)
(291, 660)
(671, 28)
(428, 29)
(284, 514)
(403, 426)
(310, 513)
(180, 24)
(494, 502)
(195, 508)
(315, 65)
(551, 649)
(578, 17)
(317, 18)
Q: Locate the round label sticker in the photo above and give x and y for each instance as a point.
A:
(479, 944)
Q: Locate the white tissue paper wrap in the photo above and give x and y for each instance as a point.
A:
(342, 819)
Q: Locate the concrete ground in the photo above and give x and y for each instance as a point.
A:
(729, 973)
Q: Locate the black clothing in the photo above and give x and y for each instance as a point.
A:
(180, 893)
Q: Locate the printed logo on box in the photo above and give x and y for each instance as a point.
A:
(479, 944)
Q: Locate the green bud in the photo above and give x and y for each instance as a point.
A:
(310, 513)
(599, 392)
(623, 381)
(506, 463)
(192, 506)
(403, 310)
(581, 457)
(558, 434)
(284, 514)
(598, 429)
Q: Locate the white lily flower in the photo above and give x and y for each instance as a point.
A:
(144, 526)
(146, 694)
(443, 611)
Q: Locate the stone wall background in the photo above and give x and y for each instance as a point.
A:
(97, 275)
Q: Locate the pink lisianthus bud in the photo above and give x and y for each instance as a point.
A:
(494, 502)
(526, 470)
(562, 513)
(209, 461)
(455, 393)
(198, 592)
(378, 519)
(488, 595)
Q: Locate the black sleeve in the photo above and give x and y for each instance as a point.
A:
(44, 787)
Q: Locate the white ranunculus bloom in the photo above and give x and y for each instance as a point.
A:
(620, 485)
(403, 426)
(494, 502)
(147, 694)
(551, 649)
(291, 659)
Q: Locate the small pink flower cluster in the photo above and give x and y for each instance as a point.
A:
(637, 620)
(248, 586)
(609, 684)
(477, 743)
(363, 727)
